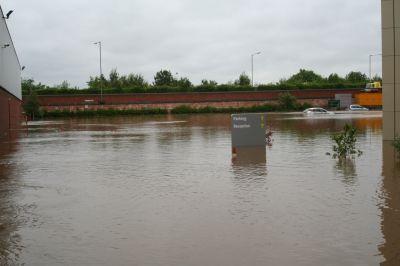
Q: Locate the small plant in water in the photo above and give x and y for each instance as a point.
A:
(396, 144)
(345, 143)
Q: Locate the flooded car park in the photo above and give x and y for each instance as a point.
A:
(164, 190)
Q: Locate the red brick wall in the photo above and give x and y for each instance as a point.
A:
(196, 97)
(10, 112)
(72, 108)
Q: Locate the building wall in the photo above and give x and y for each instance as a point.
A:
(391, 68)
(234, 104)
(205, 97)
(10, 69)
(10, 82)
(10, 112)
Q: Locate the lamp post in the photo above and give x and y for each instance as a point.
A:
(370, 64)
(252, 67)
(101, 73)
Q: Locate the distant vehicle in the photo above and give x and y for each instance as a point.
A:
(372, 87)
(356, 107)
(317, 111)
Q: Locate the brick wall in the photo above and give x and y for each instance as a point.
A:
(194, 97)
(10, 112)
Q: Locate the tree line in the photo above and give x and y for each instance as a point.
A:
(165, 81)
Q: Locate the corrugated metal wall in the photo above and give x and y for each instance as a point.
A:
(10, 69)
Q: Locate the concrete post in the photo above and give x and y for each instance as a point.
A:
(391, 68)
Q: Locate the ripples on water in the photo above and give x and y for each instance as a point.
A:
(164, 190)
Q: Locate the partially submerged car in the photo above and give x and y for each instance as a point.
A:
(317, 111)
(356, 107)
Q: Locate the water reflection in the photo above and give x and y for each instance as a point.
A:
(390, 207)
(9, 212)
(347, 168)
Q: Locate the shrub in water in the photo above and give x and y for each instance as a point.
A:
(396, 144)
(345, 143)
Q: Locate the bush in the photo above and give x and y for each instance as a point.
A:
(32, 106)
(396, 144)
(287, 101)
(345, 143)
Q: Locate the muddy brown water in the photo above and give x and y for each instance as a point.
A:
(163, 190)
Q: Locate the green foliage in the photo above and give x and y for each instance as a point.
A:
(184, 83)
(243, 80)
(287, 101)
(205, 82)
(335, 78)
(377, 78)
(164, 81)
(133, 80)
(28, 85)
(32, 106)
(305, 76)
(396, 144)
(345, 143)
(356, 77)
(64, 86)
(116, 83)
(164, 78)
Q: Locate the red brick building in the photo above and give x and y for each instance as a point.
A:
(10, 81)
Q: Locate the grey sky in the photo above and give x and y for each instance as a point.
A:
(198, 39)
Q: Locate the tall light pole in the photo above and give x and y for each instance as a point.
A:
(252, 67)
(370, 64)
(101, 74)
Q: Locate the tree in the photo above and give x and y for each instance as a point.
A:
(31, 105)
(334, 78)
(305, 76)
(184, 83)
(205, 82)
(136, 80)
(114, 82)
(64, 86)
(29, 84)
(94, 83)
(164, 78)
(243, 80)
(356, 77)
(377, 78)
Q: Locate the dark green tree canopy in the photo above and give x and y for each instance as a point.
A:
(164, 78)
(184, 83)
(206, 82)
(117, 81)
(305, 76)
(356, 77)
(243, 80)
(335, 78)
(31, 105)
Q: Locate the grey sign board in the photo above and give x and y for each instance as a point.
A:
(248, 130)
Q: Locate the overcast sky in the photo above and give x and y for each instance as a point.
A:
(197, 39)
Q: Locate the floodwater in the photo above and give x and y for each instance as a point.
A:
(164, 190)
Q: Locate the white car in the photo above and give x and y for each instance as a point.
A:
(356, 107)
(317, 111)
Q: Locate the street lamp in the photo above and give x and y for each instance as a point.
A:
(101, 73)
(252, 67)
(370, 64)
(7, 16)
